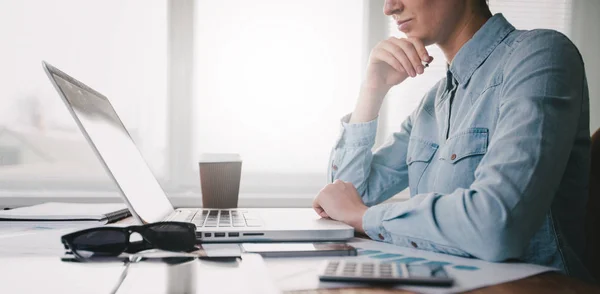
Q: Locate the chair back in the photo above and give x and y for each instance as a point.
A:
(592, 218)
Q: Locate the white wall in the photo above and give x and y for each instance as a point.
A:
(586, 35)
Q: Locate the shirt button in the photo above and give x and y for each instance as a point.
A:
(380, 236)
(453, 157)
(334, 167)
(413, 244)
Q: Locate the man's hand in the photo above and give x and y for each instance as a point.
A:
(340, 201)
(394, 60)
(391, 62)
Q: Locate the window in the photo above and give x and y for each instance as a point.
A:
(523, 14)
(271, 79)
(117, 47)
(272, 83)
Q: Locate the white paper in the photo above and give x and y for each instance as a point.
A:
(292, 274)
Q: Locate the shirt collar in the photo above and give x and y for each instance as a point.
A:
(475, 51)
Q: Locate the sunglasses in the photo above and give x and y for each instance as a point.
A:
(113, 241)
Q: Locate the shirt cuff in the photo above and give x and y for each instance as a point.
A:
(357, 134)
(373, 223)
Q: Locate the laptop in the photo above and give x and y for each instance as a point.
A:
(112, 144)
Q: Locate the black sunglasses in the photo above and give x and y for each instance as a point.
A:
(112, 241)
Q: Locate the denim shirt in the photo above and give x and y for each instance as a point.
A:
(496, 156)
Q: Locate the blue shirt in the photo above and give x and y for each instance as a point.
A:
(496, 156)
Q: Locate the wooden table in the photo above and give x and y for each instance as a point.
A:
(543, 283)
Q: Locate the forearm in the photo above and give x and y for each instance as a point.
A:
(376, 176)
(368, 104)
(465, 223)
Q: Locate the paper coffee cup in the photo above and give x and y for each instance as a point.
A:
(220, 175)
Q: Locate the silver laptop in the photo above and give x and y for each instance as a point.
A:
(148, 203)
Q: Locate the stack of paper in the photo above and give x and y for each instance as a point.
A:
(60, 214)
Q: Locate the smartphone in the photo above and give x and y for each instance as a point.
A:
(299, 249)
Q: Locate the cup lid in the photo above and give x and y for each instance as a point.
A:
(219, 157)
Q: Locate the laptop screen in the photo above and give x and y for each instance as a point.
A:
(106, 134)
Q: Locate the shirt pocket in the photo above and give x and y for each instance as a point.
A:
(419, 155)
(460, 157)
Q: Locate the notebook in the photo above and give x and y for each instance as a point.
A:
(67, 212)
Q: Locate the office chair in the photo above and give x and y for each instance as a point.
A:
(592, 218)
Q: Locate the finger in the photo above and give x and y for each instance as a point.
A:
(324, 214)
(411, 53)
(349, 184)
(421, 50)
(399, 54)
(320, 211)
(315, 203)
(390, 60)
(339, 183)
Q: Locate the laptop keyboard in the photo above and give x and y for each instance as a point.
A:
(212, 218)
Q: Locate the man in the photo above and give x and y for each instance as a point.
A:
(495, 156)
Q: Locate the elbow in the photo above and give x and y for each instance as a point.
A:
(500, 253)
(500, 244)
(496, 233)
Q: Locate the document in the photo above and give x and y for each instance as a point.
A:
(302, 273)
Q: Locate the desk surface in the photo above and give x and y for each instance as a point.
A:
(543, 283)
(550, 282)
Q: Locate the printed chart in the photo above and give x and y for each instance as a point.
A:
(400, 258)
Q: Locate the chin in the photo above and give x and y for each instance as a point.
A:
(423, 37)
(413, 34)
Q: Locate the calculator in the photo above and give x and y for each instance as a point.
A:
(383, 272)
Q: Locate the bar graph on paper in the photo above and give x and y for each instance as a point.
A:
(400, 258)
